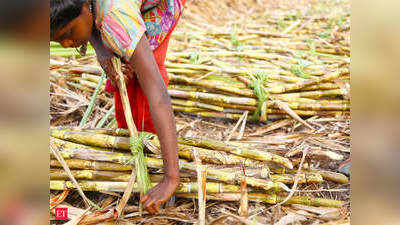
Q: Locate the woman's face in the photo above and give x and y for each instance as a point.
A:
(76, 32)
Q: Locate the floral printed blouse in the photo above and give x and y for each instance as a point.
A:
(123, 22)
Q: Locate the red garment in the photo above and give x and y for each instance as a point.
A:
(137, 98)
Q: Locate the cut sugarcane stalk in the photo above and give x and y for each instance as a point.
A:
(135, 141)
(271, 199)
(119, 186)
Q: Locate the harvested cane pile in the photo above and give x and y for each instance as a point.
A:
(97, 156)
(269, 69)
(262, 61)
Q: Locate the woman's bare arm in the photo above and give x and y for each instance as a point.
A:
(153, 85)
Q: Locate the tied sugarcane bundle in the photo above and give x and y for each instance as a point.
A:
(215, 191)
(212, 151)
(101, 183)
(113, 148)
(316, 94)
(118, 186)
(270, 199)
(213, 98)
(152, 162)
(104, 175)
(309, 174)
(99, 161)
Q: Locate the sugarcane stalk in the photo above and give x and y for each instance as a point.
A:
(270, 199)
(105, 117)
(135, 142)
(88, 69)
(182, 71)
(93, 78)
(237, 150)
(158, 163)
(172, 86)
(233, 116)
(92, 101)
(303, 178)
(217, 154)
(92, 139)
(213, 97)
(85, 83)
(314, 106)
(309, 82)
(309, 113)
(103, 175)
(112, 123)
(326, 175)
(87, 167)
(118, 186)
(79, 86)
(57, 174)
(211, 85)
(187, 109)
(185, 151)
(212, 156)
(233, 106)
(112, 132)
(180, 102)
(92, 165)
(310, 94)
(70, 52)
(321, 86)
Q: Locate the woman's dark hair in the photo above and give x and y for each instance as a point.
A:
(62, 12)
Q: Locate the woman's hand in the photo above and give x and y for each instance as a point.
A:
(108, 68)
(104, 57)
(159, 194)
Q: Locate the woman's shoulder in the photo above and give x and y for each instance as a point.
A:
(121, 5)
(116, 7)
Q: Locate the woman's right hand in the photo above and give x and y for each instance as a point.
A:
(108, 68)
(104, 57)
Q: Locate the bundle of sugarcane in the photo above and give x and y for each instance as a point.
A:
(100, 161)
(228, 99)
(224, 72)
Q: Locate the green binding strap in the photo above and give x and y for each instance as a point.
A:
(259, 77)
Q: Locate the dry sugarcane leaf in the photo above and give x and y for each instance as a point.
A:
(271, 127)
(241, 219)
(291, 218)
(98, 217)
(326, 154)
(283, 106)
(241, 132)
(107, 201)
(201, 184)
(316, 210)
(219, 221)
(337, 222)
(324, 213)
(244, 200)
(326, 143)
(77, 219)
(272, 140)
(56, 200)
